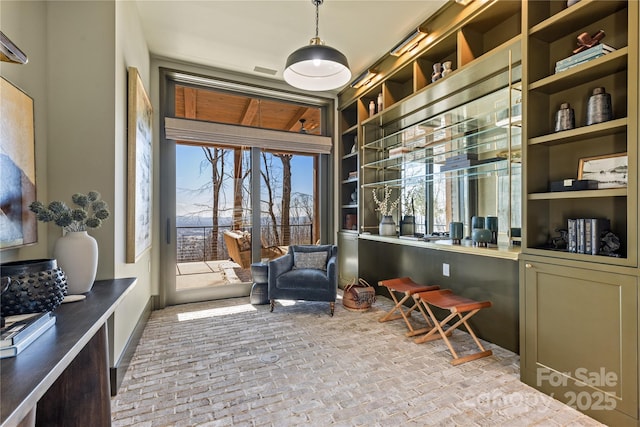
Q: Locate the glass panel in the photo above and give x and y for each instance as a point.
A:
(452, 167)
(212, 198)
(287, 199)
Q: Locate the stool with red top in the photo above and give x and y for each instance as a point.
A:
(408, 287)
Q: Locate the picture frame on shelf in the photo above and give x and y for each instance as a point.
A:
(139, 168)
(610, 170)
(18, 226)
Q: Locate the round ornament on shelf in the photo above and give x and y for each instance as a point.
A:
(34, 286)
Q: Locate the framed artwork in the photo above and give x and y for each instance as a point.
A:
(611, 170)
(139, 168)
(18, 226)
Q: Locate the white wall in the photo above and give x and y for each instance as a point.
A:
(130, 51)
(77, 74)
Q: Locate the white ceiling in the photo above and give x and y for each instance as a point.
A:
(239, 35)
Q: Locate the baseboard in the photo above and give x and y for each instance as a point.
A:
(117, 372)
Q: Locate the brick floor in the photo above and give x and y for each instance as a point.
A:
(228, 363)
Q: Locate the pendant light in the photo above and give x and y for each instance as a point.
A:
(317, 67)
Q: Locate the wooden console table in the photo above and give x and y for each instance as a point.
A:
(64, 374)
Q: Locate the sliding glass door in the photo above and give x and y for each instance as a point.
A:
(215, 226)
(242, 177)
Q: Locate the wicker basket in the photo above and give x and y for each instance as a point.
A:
(358, 295)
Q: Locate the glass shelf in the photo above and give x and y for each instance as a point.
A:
(497, 168)
(449, 167)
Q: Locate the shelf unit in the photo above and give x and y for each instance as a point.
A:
(571, 300)
(349, 166)
(556, 155)
(474, 38)
(454, 164)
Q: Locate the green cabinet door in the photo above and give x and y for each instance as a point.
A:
(347, 257)
(579, 337)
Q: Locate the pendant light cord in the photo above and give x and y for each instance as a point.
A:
(317, 3)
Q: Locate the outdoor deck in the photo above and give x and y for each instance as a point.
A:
(200, 274)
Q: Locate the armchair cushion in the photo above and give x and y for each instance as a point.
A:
(244, 241)
(310, 260)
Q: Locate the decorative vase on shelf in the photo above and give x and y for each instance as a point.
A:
(477, 222)
(491, 222)
(31, 286)
(437, 72)
(481, 237)
(446, 68)
(456, 231)
(407, 225)
(599, 107)
(387, 226)
(77, 255)
(565, 118)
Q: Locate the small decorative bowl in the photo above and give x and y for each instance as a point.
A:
(35, 286)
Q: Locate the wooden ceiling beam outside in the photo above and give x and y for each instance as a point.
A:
(250, 111)
(219, 107)
(190, 101)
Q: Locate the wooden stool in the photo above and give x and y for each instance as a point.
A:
(457, 305)
(409, 288)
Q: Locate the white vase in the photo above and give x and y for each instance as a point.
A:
(387, 226)
(77, 255)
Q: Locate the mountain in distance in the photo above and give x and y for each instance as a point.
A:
(199, 221)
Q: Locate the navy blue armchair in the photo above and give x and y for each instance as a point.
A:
(306, 272)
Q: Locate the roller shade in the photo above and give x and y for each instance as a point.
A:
(242, 136)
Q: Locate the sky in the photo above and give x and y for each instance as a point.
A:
(191, 175)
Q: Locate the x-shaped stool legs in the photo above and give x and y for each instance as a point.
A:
(409, 288)
(457, 305)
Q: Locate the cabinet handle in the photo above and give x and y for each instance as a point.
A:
(527, 265)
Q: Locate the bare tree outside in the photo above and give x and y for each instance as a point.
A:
(270, 183)
(238, 179)
(285, 211)
(216, 158)
(222, 200)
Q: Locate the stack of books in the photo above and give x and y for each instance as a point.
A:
(20, 331)
(461, 161)
(398, 152)
(584, 234)
(586, 55)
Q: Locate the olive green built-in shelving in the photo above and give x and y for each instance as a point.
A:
(578, 312)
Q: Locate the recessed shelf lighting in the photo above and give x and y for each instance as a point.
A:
(409, 43)
(364, 79)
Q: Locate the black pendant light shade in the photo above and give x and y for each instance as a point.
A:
(316, 66)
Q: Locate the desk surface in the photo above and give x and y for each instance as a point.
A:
(25, 378)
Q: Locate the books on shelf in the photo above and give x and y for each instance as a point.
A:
(398, 151)
(584, 234)
(465, 161)
(586, 55)
(21, 331)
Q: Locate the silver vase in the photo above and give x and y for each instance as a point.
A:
(599, 107)
(387, 226)
(565, 118)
